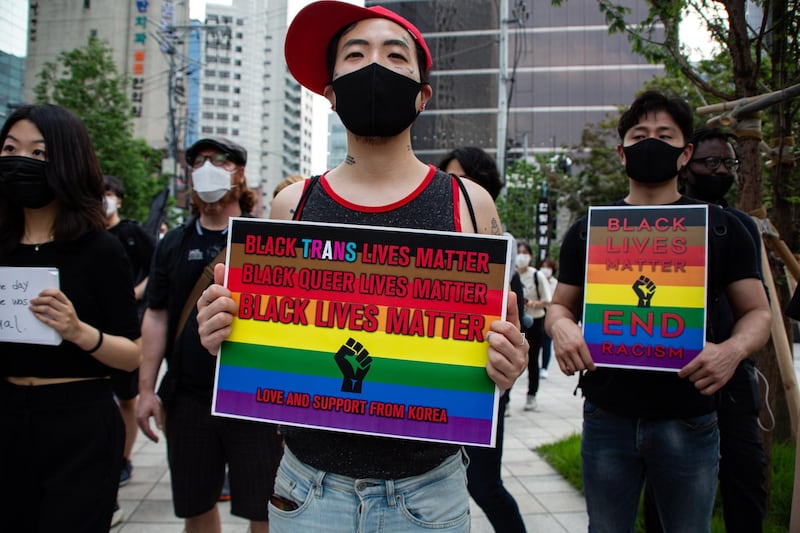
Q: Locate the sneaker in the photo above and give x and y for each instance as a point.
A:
(530, 404)
(225, 495)
(117, 517)
(125, 473)
(543, 373)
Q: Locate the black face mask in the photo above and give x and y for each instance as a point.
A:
(24, 182)
(375, 101)
(651, 161)
(708, 187)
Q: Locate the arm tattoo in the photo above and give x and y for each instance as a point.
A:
(496, 229)
(350, 160)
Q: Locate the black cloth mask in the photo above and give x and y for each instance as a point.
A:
(651, 161)
(376, 102)
(708, 187)
(24, 181)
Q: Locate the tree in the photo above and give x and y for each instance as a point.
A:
(86, 81)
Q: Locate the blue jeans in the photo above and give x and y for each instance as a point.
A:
(330, 503)
(679, 458)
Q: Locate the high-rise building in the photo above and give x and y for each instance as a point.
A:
(564, 71)
(13, 26)
(247, 94)
(147, 43)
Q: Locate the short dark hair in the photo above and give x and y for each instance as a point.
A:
(72, 171)
(651, 102)
(478, 166)
(334, 45)
(708, 134)
(114, 185)
(525, 245)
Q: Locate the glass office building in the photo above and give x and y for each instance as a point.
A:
(564, 72)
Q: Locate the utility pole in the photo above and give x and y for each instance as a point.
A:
(502, 92)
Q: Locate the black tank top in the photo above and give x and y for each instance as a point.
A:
(434, 205)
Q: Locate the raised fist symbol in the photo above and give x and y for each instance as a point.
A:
(354, 362)
(644, 289)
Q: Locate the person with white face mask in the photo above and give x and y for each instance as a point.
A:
(139, 247)
(536, 290)
(199, 445)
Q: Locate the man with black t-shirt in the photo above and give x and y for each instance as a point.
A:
(139, 247)
(198, 444)
(641, 424)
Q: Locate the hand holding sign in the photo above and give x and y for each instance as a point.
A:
(354, 362)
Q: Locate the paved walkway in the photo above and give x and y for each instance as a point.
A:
(546, 500)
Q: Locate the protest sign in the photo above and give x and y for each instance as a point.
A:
(17, 286)
(645, 297)
(369, 330)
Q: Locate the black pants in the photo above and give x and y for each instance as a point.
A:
(60, 456)
(535, 336)
(485, 485)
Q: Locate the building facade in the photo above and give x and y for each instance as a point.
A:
(147, 43)
(13, 29)
(247, 94)
(564, 72)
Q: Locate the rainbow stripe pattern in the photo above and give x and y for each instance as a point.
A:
(645, 289)
(368, 330)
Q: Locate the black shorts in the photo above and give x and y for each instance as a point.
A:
(125, 384)
(200, 445)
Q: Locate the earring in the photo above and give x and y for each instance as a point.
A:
(422, 107)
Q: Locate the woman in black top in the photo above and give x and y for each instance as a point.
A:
(61, 450)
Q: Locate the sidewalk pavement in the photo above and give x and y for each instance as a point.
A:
(546, 501)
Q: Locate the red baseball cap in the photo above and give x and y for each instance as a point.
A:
(311, 31)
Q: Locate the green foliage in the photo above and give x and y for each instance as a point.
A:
(565, 457)
(517, 206)
(86, 81)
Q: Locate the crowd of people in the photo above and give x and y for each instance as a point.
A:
(125, 302)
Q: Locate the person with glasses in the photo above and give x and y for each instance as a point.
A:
(199, 445)
(708, 176)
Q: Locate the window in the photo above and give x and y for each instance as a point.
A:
(208, 101)
(222, 131)
(210, 73)
(225, 60)
(224, 74)
(211, 59)
(222, 116)
(240, 22)
(237, 76)
(234, 132)
(235, 118)
(223, 102)
(237, 62)
(236, 90)
(208, 115)
(235, 104)
(223, 88)
(207, 129)
(239, 35)
(238, 48)
(208, 86)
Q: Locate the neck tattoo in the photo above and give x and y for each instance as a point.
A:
(350, 160)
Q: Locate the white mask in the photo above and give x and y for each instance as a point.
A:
(522, 260)
(110, 206)
(211, 183)
(547, 271)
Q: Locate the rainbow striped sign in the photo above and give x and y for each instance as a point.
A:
(380, 331)
(645, 299)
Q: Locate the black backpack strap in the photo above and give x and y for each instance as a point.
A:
(468, 200)
(301, 203)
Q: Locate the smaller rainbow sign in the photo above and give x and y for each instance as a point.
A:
(368, 330)
(645, 291)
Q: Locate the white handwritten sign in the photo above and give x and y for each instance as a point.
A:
(17, 286)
